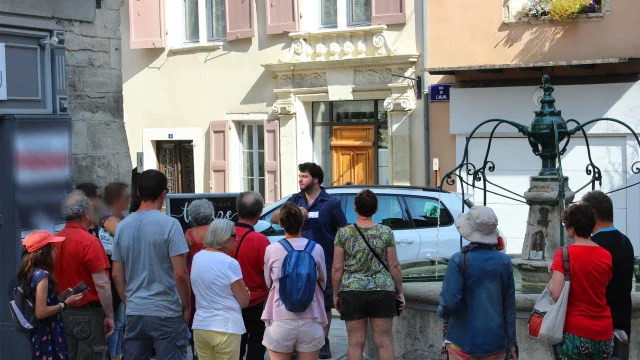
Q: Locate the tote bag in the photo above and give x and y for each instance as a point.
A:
(546, 322)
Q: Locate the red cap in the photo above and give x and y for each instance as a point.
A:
(39, 238)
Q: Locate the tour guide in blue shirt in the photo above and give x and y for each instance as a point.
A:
(324, 216)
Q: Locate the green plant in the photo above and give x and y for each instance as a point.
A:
(567, 9)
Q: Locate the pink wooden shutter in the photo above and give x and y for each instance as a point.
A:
(272, 161)
(387, 12)
(239, 19)
(146, 24)
(282, 16)
(219, 156)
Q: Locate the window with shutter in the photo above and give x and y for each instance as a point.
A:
(282, 16)
(219, 156)
(146, 24)
(191, 23)
(272, 161)
(388, 12)
(240, 18)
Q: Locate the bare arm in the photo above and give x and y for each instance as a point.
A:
(556, 285)
(111, 224)
(240, 293)
(103, 287)
(337, 270)
(395, 269)
(118, 279)
(181, 276)
(43, 311)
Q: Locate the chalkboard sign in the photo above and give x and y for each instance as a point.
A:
(224, 205)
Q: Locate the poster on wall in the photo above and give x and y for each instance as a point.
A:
(3, 73)
(224, 205)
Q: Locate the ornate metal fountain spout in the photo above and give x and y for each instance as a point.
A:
(541, 136)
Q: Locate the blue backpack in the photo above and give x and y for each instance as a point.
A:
(298, 277)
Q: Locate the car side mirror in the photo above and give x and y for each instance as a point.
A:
(264, 227)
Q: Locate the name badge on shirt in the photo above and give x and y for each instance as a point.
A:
(313, 215)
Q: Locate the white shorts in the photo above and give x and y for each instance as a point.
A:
(305, 335)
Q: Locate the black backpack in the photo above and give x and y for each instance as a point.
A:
(23, 311)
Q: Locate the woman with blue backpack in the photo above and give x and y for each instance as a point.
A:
(35, 279)
(296, 275)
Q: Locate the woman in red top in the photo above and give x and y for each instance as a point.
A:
(588, 330)
(200, 214)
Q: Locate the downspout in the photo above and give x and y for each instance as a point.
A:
(425, 96)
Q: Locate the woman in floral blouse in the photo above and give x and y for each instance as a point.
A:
(365, 288)
(48, 340)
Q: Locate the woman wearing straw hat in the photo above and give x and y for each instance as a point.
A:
(478, 293)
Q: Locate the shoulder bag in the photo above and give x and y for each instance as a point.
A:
(546, 322)
(375, 254)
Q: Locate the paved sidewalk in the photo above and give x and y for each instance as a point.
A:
(337, 339)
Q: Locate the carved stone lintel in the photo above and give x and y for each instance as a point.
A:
(284, 81)
(284, 106)
(381, 45)
(309, 80)
(373, 76)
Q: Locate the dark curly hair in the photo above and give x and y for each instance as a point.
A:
(291, 218)
(581, 218)
(601, 204)
(366, 203)
(314, 170)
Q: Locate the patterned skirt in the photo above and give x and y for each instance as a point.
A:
(455, 353)
(574, 347)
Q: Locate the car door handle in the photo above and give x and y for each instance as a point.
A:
(406, 241)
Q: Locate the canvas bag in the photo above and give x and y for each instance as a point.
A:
(546, 322)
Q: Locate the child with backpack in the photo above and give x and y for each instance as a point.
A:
(296, 274)
(36, 308)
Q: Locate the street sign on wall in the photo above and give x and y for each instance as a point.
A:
(224, 205)
(440, 92)
(3, 73)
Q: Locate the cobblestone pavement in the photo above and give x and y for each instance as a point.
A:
(337, 339)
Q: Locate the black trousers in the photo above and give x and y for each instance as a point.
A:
(252, 340)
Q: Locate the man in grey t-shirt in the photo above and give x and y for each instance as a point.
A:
(151, 276)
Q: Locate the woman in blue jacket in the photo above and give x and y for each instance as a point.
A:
(478, 293)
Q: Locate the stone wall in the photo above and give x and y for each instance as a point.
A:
(94, 76)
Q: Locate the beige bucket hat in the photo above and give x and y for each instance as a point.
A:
(478, 225)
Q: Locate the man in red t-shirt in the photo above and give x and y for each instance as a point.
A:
(82, 258)
(249, 252)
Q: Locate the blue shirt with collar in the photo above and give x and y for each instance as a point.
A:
(324, 219)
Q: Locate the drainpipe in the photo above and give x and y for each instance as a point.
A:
(425, 96)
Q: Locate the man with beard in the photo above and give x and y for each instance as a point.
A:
(323, 217)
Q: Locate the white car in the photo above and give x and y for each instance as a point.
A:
(411, 212)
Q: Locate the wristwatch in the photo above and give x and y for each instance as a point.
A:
(63, 306)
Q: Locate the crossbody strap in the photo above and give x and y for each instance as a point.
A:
(565, 262)
(371, 248)
(240, 244)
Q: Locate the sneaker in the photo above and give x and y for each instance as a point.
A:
(325, 352)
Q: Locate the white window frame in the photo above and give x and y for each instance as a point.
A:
(350, 13)
(320, 12)
(256, 157)
(210, 27)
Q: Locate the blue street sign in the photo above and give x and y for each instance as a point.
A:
(440, 92)
(170, 136)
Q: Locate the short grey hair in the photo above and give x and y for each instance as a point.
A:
(75, 205)
(200, 212)
(219, 231)
(249, 204)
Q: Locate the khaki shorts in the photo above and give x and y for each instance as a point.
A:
(305, 335)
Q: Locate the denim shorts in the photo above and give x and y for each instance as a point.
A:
(169, 336)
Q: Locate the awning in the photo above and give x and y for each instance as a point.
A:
(538, 66)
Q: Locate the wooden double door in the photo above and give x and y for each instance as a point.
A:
(353, 154)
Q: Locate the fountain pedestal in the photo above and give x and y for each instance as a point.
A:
(542, 237)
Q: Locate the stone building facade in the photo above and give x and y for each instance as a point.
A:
(93, 78)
